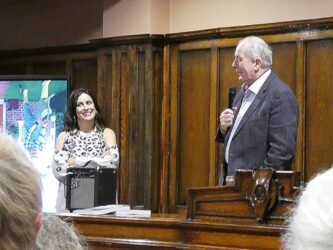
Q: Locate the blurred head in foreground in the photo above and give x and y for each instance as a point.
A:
(20, 197)
(311, 223)
(57, 234)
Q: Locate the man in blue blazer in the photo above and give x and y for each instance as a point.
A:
(261, 128)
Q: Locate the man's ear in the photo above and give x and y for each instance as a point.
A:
(38, 221)
(258, 64)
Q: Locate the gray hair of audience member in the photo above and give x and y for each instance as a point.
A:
(20, 197)
(310, 226)
(56, 234)
(255, 48)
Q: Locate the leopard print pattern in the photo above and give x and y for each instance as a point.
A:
(83, 144)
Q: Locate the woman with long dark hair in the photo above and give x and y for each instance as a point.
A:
(85, 141)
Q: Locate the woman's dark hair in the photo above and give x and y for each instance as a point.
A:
(70, 119)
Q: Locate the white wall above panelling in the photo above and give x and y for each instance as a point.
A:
(132, 17)
(189, 15)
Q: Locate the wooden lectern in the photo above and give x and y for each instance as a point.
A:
(257, 196)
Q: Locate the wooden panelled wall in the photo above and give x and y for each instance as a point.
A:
(162, 95)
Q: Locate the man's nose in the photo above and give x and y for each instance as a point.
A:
(234, 63)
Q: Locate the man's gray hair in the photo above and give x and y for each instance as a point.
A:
(255, 48)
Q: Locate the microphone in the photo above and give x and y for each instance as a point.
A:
(231, 94)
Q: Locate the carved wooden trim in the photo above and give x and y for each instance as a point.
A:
(155, 39)
(261, 29)
(264, 192)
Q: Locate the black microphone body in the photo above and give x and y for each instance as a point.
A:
(231, 94)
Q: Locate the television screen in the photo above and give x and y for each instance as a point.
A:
(32, 110)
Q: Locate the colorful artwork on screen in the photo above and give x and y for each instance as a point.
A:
(32, 111)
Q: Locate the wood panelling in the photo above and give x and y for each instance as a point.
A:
(17, 69)
(300, 94)
(108, 92)
(156, 108)
(138, 80)
(193, 121)
(143, 122)
(227, 76)
(124, 133)
(284, 62)
(165, 177)
(84, 74)
(52, 68)
(319, 107)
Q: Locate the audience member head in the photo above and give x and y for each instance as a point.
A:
(310, 226)
(20, 197)
(71, 120)
(57, 234)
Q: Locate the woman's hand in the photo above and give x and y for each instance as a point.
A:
(71, 162)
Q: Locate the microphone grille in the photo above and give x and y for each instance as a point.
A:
(232, 90)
